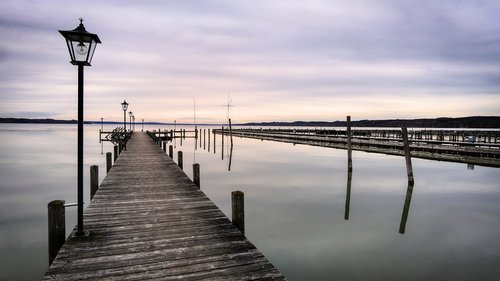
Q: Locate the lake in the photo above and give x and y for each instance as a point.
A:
(299, 209)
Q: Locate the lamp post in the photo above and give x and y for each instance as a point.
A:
(81, 46)
(133, 122)
(125, 107)
(142, 130)
(130, 119)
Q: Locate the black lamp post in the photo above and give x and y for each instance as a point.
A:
(125, 107)
(142, 130)
(81, 46)
(133, 122)
(130, 119)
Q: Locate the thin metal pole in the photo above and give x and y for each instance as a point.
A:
(80, 150)
(125, 129)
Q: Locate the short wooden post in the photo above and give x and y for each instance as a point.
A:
(406, 144)
(196, 174)
(171, 151)
(238, 208)
(57, 227)
(179, 159)
(109, 162)
(115, 150)
(349, 145)
(94, 180)
(164, 146)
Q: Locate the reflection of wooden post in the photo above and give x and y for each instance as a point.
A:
(406, 209)
(196, 174)
(406, 144)
(348, 195)
(230, 157)
(204, 139)
(222, 148)
(109, 162)
(179, 159)
(94, 180)
(171, 151)
(57, 227)
(215, 138)
(238, 208)
(349, 146)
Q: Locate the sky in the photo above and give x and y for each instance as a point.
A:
(275, 60)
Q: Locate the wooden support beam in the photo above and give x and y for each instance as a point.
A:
(57, 227)
(238, 210)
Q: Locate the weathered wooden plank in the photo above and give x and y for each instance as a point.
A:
(148, 221)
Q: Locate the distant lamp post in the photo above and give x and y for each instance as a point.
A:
(81, 46)
(125, 107)
(130, 119)
(133, 122)
(142, 130)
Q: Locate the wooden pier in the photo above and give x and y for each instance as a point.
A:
(435, 145)
(149, 221)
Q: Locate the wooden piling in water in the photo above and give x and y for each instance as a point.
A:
(109, 161)
(179, 159)
(115, 150)
(171, 151)
(406, 144)
(94, 180)
(196, 174)
(238, 210)
(57, 227)
(349, 145)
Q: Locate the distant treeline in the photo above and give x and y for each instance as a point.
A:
(443, 122)
(39, 121)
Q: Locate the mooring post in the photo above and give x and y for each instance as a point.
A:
(57, 227)
(406, 144)
(238, 208)
(349, 145)
(115, 150)
(109, 161)
(171, 151)
(94, 180)
(164, 146)
(179, 159)
(196, 174)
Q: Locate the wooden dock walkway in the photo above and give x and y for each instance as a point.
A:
(148, 221)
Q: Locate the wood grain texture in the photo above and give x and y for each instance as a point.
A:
(148, 221)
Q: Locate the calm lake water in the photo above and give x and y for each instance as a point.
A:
(295, 206)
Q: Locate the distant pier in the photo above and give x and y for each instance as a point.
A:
(479, 147)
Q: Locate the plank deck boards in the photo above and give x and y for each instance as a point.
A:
(149, 221)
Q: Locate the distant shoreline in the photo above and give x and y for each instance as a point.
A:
(479, 122)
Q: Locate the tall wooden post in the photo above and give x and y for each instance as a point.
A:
(115, 150)
(57, 227)
(171, 151)
(109, 161)
(179, 159)
(406, 144)
(230, 132)
(94, 180)
(196, 174)
(349, 146)
(238, 210)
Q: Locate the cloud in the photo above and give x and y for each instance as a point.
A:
(164, 54)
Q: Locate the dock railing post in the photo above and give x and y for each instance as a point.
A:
(238, 210)
(171, 151)
(164, 146)
(94, 180)
(57, 227)
(179, 159)
(115, 150)
(196, 174)
(406, 144)
(109, 162)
